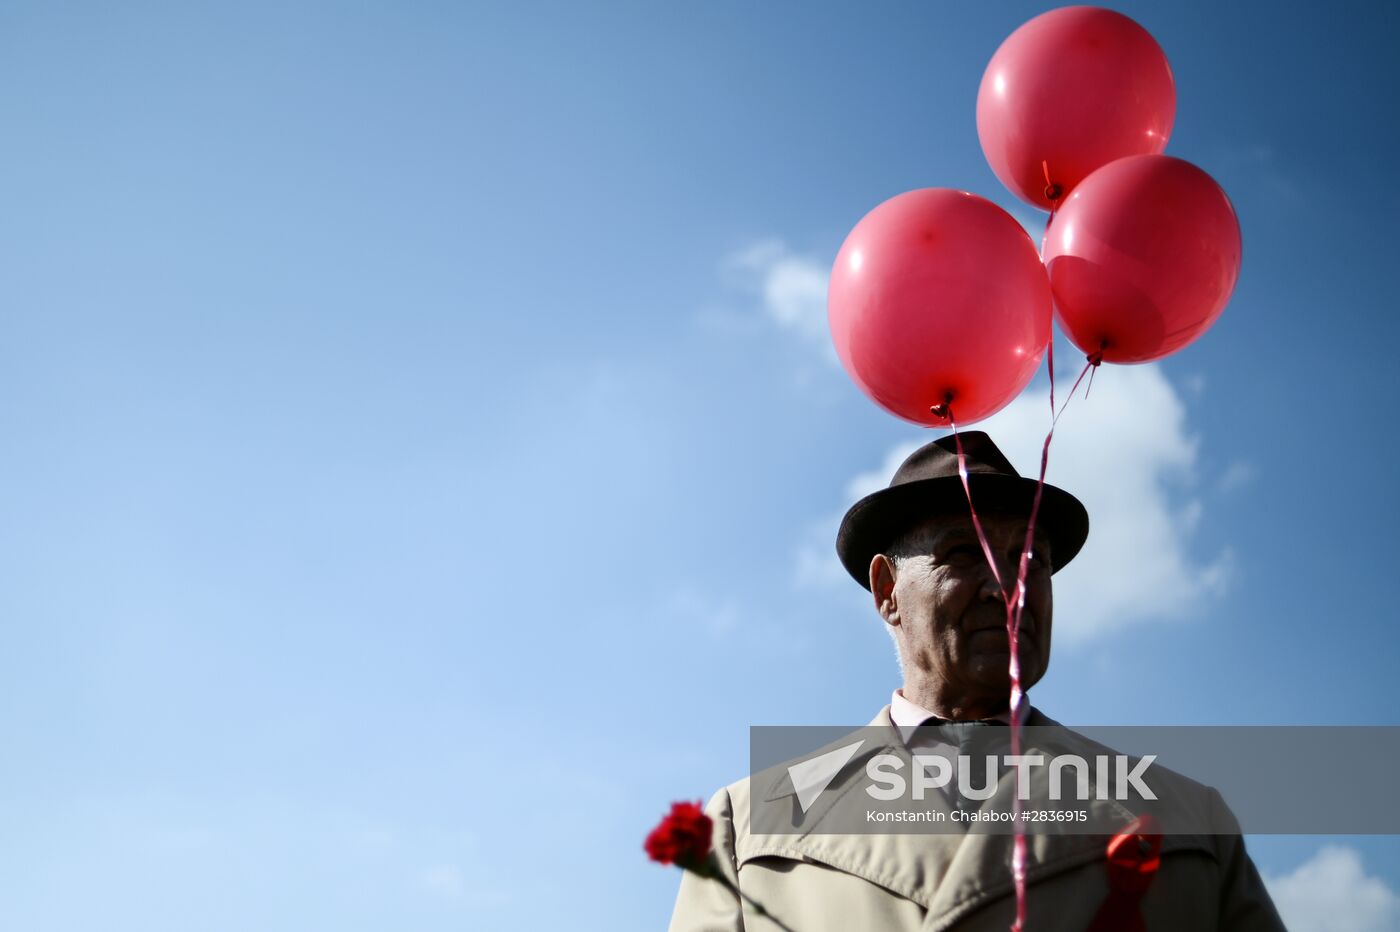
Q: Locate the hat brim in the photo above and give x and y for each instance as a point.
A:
(875, 521)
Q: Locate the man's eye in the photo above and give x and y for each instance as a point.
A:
(960, 553)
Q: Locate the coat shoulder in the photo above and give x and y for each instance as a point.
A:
(1186, 806)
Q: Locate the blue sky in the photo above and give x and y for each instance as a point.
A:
(422, 451)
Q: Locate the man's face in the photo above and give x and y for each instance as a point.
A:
(950, 615)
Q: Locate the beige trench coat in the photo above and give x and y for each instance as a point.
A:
(932, 883)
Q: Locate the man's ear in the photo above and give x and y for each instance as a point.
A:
(882, 588)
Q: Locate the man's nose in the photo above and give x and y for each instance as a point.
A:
(1007, 566)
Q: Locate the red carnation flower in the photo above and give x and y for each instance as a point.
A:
(682, 838)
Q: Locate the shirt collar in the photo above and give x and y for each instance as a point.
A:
(908, 715)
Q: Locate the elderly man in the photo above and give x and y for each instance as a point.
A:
(914, 547)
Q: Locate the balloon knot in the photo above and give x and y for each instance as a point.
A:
(944, 409)
(1095, 360)
(1052, 190)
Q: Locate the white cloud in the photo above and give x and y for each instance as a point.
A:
(817, 563)
(792, 287)
(1332, 893)
(1127, 454)
(864, 483)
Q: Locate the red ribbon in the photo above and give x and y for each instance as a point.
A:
(1133, 857)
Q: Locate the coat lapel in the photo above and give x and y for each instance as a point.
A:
(904, 863)
(981, 868)
(947, 874)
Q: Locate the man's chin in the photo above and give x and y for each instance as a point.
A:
(991, 669)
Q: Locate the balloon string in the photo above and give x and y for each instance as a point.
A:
(1090, 366)
(1016, 602)
(967, 489)
(1013, 628)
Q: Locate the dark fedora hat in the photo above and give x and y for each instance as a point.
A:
(927, 484)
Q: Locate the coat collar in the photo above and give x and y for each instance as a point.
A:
(950, 875)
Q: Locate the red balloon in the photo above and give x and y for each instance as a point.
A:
(1143, 257)
(939, 293)
(1069, 92)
